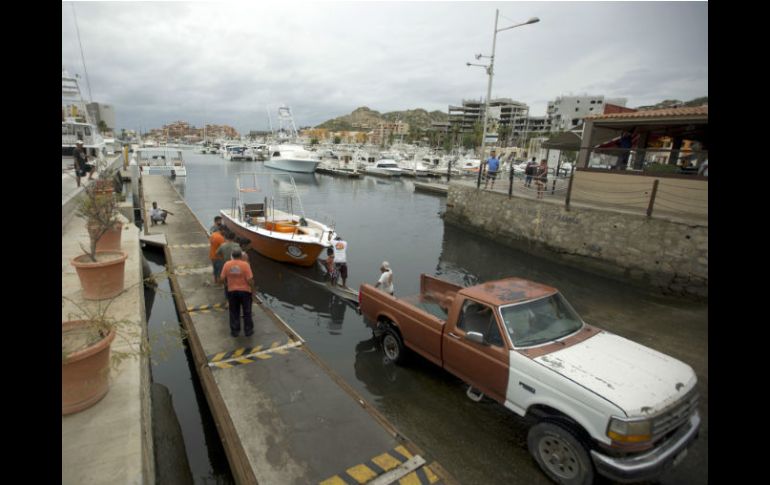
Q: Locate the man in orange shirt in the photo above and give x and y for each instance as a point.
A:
(239, 282)
(216, 240)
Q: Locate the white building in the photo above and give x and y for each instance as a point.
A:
(567, 112)
(102, 112)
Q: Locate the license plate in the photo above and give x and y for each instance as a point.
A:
(680, 457)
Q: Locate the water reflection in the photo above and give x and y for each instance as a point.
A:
(299, 290)
(174, 368)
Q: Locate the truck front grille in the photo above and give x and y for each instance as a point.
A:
(676, 416)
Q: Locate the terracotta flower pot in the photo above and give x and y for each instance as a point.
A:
(104, 278)
(84, 373)
(110, 240)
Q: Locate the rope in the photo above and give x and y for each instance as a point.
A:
(88, 83)
(700, 206)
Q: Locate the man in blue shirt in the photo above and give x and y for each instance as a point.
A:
(493, 164)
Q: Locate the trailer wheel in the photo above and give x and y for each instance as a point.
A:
(393, 346)
(560, 454)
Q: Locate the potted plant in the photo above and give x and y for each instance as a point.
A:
(100, 271)
(87, 355)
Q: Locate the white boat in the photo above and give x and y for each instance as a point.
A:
(282, 235)
(469, 166)
(385, 167)
(236, 152)
(161, 161)
(76, 123)
(292, 158)
(417, 168)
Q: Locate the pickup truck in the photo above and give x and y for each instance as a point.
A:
(598, 403)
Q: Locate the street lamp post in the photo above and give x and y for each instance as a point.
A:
(491, 72)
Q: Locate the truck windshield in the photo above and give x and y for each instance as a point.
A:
(540, 321)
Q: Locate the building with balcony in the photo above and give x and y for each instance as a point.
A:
(567, 112)
(462, 118)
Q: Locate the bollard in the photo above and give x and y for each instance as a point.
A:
(134, 171)
(448, 171)
(569, 191)
(652, 197)
(510, 182)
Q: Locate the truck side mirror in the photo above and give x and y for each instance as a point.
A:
(476, 337)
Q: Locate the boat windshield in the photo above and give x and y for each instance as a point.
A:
(388, 165)
(540, 321)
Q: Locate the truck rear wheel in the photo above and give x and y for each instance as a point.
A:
(393, 346)
(560, 454)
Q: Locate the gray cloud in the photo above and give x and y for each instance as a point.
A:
(227, 62)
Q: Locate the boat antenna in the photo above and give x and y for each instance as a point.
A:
(77, 29)
(269, 120)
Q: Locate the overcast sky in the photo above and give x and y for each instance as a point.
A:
(227, 63)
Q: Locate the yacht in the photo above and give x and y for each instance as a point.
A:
(384, 168)
(292, 158)
(76, 123)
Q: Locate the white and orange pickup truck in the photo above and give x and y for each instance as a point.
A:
(599, 403)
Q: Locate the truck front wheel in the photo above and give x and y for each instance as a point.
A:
(393, 346)
(560, 454)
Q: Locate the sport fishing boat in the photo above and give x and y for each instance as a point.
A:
(283, 234)
(292, 158)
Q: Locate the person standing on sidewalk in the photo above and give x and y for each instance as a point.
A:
(82, 167)
(239, 284)
(493, 164)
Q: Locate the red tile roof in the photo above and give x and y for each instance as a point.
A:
(657, 113)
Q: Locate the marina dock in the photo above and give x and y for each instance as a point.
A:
(338, 172)
(282, 414)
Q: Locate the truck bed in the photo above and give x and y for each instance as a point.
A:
(427, 304)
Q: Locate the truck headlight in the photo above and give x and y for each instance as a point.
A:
(636, 431)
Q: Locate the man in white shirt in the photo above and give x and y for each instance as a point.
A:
(341, 259)
(158, 215)
(386, 279)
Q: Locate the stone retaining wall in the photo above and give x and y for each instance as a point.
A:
(670, 256)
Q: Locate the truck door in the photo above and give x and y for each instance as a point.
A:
(483, 365)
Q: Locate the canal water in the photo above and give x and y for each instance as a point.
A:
(384, 219)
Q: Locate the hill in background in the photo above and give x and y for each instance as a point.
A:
(364, 119)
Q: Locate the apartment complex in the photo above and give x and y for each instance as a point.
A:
(385, 130)
(181, 130)
(567, 112)
(462, 118)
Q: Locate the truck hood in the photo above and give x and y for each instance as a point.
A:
(639, 380)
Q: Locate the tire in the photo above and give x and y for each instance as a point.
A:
(393, 346)
(560, 454)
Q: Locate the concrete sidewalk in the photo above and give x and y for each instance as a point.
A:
(110, 442)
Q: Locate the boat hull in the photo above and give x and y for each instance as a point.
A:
(275, 248)
(300, 166)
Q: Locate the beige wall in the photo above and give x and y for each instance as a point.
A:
(683, 196)
(669, 255)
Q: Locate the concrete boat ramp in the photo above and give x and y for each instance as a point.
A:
(282, 414)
